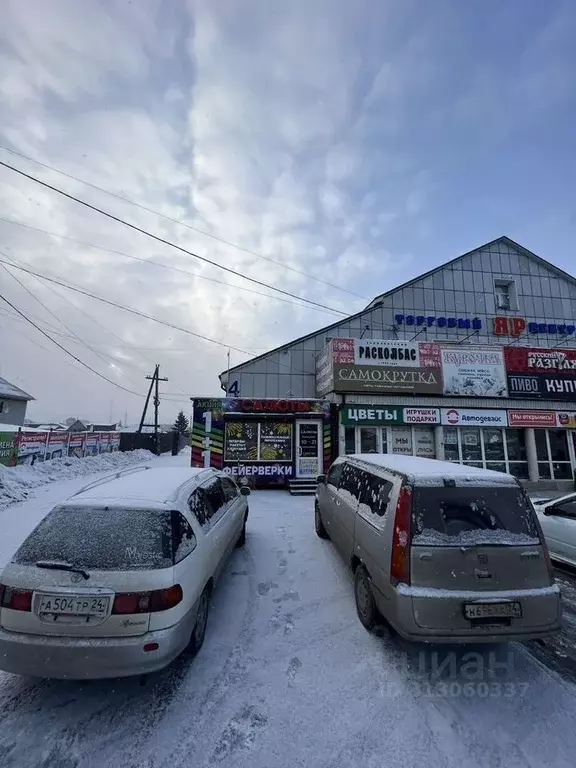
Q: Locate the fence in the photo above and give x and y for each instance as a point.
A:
(25, 447)
(167, 441)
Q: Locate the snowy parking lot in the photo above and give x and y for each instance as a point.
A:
(289, 677)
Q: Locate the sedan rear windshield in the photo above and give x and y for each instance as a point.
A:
(101, 539)
(470, 516)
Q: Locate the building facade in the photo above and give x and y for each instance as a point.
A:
(473, 362)
(13, 403)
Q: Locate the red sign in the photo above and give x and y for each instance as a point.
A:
(539, 361)
(531, 419)
(508, 326)
(343, 351)
(279, 406)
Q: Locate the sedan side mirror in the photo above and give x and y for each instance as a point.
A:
(245, 491)
(321, 479)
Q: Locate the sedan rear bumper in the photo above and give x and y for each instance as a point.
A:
(75, 658)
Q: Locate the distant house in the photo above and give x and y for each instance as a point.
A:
(87, 426)
(46, 426)
(13, 403)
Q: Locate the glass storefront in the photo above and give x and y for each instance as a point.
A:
(553, 454)
(503, 450)
(406, 440)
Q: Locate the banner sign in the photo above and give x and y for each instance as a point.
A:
(541, 373)
(8, 449)
(57, 446)
(467, 417)
(378, 415)
(364, 378)
(76, 444)
(324, 372)
(31, 447)
(566, 419)
(474, 372)
(532, 418)
(260, 470)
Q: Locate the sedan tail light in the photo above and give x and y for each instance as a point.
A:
(15, 599)
(147, 602)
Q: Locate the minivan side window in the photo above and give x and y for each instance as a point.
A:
(198, 506)
(334, 475)
(184, 539)
(353, 481)
(214, 495)
(376, 495)
(230, 488)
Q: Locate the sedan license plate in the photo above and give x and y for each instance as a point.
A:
(73, 605)
(493, 610)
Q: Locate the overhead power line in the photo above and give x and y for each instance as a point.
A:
(120, 306)
(79, 340)
(162, 239)
(181, 223)
(71, 354)
(170, 267)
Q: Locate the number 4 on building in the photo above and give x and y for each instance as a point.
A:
(234, 389)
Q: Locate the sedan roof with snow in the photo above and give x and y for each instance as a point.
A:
(421, 470)
(157, 485)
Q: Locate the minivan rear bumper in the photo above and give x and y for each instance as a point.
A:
(83, 658)
(436, 615)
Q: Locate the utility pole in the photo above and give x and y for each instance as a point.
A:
(154, 381)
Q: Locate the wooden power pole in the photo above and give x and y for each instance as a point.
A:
(154, 381)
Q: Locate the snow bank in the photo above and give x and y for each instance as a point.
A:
(18, 483)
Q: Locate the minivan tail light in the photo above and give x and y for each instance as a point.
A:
(401, 538)
(147, 602)
(16, 599)
(547, 559)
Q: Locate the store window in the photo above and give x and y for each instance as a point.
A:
(502, 450)
(258, 441)
(349, 440)
(401, 440)
(368, 440)
(553, 454)
(424, 442)
(471, 445)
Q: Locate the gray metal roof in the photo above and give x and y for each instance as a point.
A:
(376, 301)
(12, 392)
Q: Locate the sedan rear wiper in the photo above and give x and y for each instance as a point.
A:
(58, 566)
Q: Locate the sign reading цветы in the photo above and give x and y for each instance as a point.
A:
(374, 415)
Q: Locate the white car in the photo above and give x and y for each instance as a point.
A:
(116, 581)
(558, 520)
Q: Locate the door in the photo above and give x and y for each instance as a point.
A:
(308, 449)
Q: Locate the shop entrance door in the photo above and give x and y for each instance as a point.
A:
(308, 449)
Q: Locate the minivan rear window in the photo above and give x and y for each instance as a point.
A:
(447, 516)
(101, 539)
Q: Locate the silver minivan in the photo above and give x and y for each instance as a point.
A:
(443, 552)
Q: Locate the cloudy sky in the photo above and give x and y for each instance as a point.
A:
(344, 147)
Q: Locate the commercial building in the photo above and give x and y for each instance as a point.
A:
(474, 362)
(13, 403)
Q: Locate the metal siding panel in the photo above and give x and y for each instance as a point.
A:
(495, 263)
(272, 385)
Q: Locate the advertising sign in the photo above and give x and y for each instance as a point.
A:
(57, 446)
(260, 470)
(531, 418)
(324, 372)
(91, 444)
(474, 372)
(241, 441)
(424, 443)
(421, 415)
(378, 415)
(31, 447)
(8, 451)
(114, 438)
(566, 419)
(386, 352)
(76, 444)
(468, 417)
(515, 326)
(401, 440)
(276, 441)
(364, 378)
(541, 373)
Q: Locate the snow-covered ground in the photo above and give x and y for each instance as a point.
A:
(18, 483)
(288, 677)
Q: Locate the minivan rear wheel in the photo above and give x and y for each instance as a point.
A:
(318, 524)
(365, 604)
(199, 631)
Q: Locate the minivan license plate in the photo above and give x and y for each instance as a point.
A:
(73, 605)
(493, 610)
